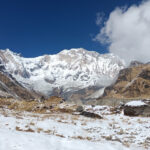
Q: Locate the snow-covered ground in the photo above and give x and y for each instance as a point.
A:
(136, 103)
(62, 131)
(31, 141)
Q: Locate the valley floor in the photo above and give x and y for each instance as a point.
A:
(64, 131)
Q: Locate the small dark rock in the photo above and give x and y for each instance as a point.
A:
(91, 115)
(79, 109)
(51, 107)
(61, 101)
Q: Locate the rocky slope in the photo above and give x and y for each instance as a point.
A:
(65, 73)
(10, 88)
(132, 82)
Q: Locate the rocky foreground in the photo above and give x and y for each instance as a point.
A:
(55, 124)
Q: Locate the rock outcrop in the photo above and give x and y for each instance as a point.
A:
(132, 82)
(137, 108)
(10, 88)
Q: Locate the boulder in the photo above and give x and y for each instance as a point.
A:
(90, 114)
(137, 108)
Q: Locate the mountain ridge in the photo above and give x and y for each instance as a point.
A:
(68, 71)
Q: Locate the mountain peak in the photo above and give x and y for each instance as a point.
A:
(69, 70)
(9, 52)
(77, 51)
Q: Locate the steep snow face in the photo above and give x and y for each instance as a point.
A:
(70, 69)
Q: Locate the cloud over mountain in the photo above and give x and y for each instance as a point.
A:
(127, 31)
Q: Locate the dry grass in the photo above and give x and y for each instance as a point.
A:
(19, 105)
(39, 130)
(52, 101)
(60, 135)
(108, 138)
(82, 138)
(29, 130)
(5, 114)
(32, 123)
(121, 132)
(74, 117)
(18, 129)
(47, 106)
(48, 132)
(26, 130)
(65, 110)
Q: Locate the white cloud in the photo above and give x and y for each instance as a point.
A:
(100, 18)
(127, 31)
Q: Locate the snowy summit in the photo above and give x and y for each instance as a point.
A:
(70, 69)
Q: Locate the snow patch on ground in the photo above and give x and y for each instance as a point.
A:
(135, 103)
(31, 141)
(63, 131)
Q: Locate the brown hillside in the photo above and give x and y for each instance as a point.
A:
(133, 82)
(9, 87)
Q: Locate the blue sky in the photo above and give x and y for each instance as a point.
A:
(37, 27)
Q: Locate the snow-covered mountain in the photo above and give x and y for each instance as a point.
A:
(69, 70)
